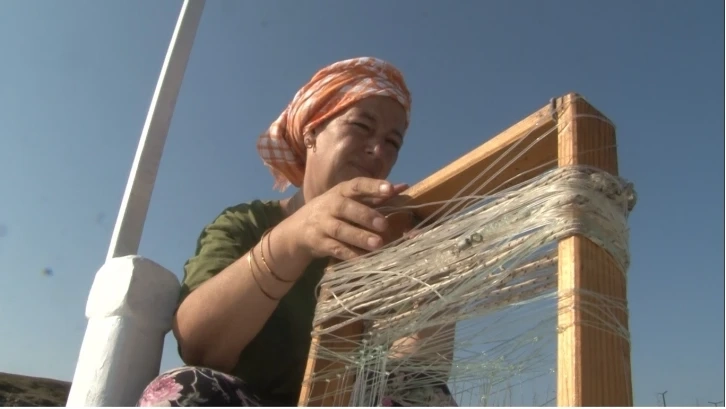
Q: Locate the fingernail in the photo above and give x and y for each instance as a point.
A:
(373, 242)
(385, 188)
(379, 223)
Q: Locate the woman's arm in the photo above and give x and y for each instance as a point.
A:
(433, 344)
(217, 320)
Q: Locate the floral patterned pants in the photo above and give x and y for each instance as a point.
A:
(195, 386)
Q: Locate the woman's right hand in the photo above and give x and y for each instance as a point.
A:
(340, 223)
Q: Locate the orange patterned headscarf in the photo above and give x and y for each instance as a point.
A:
(331, 90)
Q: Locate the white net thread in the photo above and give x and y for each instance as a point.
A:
(471, 301)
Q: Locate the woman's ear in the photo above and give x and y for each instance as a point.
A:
(309, 142)
(310, 139)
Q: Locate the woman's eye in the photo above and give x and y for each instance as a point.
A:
(361, 125)
(395, 144)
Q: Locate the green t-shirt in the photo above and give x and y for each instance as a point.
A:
(273, 363)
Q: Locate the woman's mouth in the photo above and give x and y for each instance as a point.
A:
(366, 172)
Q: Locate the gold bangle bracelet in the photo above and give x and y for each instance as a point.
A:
(254, 277)
(264, 261)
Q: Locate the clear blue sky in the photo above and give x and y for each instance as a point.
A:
(76, 80)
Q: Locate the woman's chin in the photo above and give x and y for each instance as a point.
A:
(360, 172)
(348, 174)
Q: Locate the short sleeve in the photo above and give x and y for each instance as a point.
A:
(222, 242)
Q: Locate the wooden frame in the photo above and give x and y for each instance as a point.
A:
(593, 365)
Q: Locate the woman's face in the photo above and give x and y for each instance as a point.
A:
(363, 140)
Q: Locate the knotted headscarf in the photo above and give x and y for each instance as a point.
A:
(331, 90)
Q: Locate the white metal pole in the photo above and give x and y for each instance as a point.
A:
(132, 299)
(135, 203)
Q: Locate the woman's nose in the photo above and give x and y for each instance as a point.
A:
(373, 148)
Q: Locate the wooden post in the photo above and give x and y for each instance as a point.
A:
(334, 391)
(593, 364)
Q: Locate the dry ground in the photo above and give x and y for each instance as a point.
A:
(19, 390)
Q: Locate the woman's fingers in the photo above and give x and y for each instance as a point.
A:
(400, 188)
(412, 233)
(353, 228)
(341, 250)
(351, 211)
(379, 200)
(348, 234)
(360, 188)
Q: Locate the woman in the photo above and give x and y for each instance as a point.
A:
(248, 296)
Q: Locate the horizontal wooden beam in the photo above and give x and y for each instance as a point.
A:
(448, 181)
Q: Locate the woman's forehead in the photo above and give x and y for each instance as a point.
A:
(379, 109)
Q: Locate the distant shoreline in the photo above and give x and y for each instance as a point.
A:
(22, 390)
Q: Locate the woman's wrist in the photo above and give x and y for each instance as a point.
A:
(273, 290)
(265, 247)
(285, 259)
